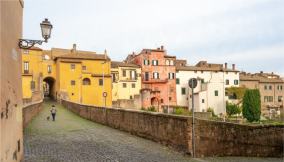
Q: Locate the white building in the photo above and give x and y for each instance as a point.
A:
(210, 90)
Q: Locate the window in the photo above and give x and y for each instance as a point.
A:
(227, 82)
(155, 62)
(162, 101)
(167, 62)
(49, 68)
(84, 68)
(146, 76)
(171, 62)
(72, 82)
(265, 87)
(26, 67)
(202, 80)
(124, 85)
(133, 85)
(280, 98)
(86, 81)
(32, 85)
(146, 62)
(72, 66)
(270, 87)
(130, 97)
(170, 98)
(124, 73)
(26, 52)
(113, 77)
(279, 87)
(268, 98)
(171, 75)
(101, 82)
(216, 93)
(177, 80)
(156, 75)
(236, 82)
(203, 101)
(133, 74)
(183, 91)
(172, 89)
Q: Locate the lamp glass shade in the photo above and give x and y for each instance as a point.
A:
(45, 29)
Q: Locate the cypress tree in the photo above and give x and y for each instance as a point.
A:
(252, 105)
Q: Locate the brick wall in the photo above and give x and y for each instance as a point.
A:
(212, 138)
(30, 111)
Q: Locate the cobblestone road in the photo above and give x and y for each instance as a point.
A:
(73, 139)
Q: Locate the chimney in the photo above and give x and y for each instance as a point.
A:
(226, 65)
(158, 48)
(233, 66)
(162, 47)
(261, 72)
(74, 48)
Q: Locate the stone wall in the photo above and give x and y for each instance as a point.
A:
(30, 111)
(212, 138)
(11, 134)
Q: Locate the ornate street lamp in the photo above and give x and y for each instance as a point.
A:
(45, 31)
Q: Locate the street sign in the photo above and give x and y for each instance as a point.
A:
(104, 94)
(192, 83)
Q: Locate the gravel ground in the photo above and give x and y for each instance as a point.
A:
(74, 139)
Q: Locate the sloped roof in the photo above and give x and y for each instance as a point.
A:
(115, 64)
(77, 54)
(261, 79)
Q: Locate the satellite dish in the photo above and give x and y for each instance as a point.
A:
(46, 57)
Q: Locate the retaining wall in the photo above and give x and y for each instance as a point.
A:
(212, 138)
(31, 110)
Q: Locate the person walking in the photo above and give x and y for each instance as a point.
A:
(53, 112)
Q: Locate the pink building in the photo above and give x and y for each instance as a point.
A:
(158, 72)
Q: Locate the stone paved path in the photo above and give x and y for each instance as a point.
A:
(73, 139)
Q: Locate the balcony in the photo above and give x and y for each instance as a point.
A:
(145, 81)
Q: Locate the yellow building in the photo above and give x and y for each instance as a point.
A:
(126, 83)
(75, 75)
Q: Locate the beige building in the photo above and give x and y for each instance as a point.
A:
(271, 88)
(11, 133)
(126, 85)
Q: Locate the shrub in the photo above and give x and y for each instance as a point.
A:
(232, 109)
(251, 105)
(212, 111)
(181, 111)
(152, 108)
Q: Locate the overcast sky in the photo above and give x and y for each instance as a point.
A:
(249, 33)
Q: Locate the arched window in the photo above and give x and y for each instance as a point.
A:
(86, 81)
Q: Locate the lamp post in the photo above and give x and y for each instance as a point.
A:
(45, 31)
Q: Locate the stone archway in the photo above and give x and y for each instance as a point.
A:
(49, 87)
(155, 102)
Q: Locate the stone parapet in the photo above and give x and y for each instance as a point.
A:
(30, 111)
(212, 138)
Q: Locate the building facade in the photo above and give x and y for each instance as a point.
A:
(212, 79)
(126, 85)
(158, 77)
(11, 131)
(271, 88)
(79, 76)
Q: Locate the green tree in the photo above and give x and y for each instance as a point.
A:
(232, 109)
(251, 105)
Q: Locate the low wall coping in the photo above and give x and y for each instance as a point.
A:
(32, 103)
(179, 116)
